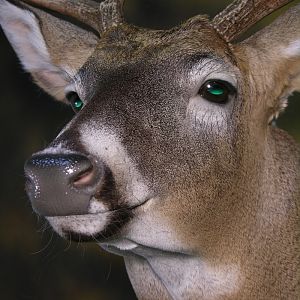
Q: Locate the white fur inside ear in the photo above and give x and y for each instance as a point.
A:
(293, 49)
(22, 30)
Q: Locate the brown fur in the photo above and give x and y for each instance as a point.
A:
(228, 196)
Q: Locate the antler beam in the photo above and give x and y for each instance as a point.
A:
(242, 14)
(86, 11)
(98, 16)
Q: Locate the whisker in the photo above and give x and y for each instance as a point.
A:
(46, 246)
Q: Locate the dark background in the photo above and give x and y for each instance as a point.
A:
(34, 262)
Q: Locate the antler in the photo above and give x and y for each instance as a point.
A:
(98, 16)
(111, 13)
(242, 14)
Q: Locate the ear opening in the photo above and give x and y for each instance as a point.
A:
(273, 59)
(52, 50)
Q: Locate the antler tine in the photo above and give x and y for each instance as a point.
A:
(98, 16)
(242, 14)
(111, 13)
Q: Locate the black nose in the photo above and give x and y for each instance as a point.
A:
(61, 184)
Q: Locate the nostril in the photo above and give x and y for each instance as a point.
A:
(84, 178)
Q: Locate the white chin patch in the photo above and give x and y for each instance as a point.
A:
(88, 225)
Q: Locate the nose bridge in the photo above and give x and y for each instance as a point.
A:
(68, 140)
(133, 106)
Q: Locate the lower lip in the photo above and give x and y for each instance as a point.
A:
(139, 207)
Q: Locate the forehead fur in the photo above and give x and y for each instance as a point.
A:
(194, 36)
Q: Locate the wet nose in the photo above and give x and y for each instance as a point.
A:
(61, 184)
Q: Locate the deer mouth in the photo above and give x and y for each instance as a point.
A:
(95, 226)
(79, 196)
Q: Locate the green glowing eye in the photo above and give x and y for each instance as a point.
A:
(217, 91)
(75, 101)
(78, 104)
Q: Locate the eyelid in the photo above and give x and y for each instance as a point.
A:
(70, 88)
(223, 77)
(69, 92)
(73, 88)
(212, 69)
(227, 83)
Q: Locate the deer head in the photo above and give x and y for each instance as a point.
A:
(171, 159)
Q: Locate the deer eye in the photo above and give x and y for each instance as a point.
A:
(217, 91)
(75, 101)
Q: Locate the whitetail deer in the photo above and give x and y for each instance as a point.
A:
(171, 160)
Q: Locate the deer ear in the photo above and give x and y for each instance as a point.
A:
(274, 56)
(51, 49)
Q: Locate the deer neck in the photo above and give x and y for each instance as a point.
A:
(264, 244)
(269, 243)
